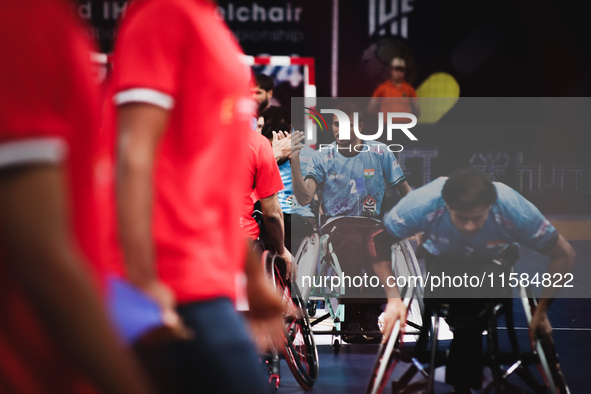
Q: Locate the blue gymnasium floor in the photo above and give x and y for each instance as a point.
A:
(349, 371)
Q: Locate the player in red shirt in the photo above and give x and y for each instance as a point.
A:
(264, 182)
(184, 108)
(54, 334)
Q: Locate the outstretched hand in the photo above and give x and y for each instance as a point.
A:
(540, 326)
(172, 324)
(285, 144)
(395, 311)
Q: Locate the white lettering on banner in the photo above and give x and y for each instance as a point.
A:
(84, 10)
(257, 13)
(389, 18)
(113, 9)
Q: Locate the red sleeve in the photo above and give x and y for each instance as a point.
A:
(34, 70)
(411, 91)
(47, 85)
(268, 178)
(148, 55)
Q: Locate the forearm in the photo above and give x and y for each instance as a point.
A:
(253, 267)
(300, 189)
(140, 129)
(560, 266)
(64, 297)
(274, 225)
(135, 202)
(43, 260)
(384, 273)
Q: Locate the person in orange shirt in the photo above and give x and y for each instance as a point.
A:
(398, 88)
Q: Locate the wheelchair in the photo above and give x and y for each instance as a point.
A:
(317, 258)
(299, 347)
(424, 357)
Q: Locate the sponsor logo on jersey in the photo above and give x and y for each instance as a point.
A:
(334, 176)
(369, 173)
(542, 230)
(369, 205)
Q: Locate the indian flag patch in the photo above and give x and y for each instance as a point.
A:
(369, 173)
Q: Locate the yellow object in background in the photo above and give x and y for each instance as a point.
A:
(444, 90)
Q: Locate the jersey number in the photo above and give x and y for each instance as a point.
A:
(353, 186)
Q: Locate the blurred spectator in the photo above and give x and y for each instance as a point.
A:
(396, 87)
(262, 93)
(55, 336)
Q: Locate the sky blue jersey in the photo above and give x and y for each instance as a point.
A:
(305, 159)
(286, 195)
(511, 219)
(354, 186)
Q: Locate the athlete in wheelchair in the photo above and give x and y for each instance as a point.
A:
(468, 223)
(352, 183)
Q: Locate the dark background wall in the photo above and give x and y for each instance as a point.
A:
(496, 48)
(503, 48)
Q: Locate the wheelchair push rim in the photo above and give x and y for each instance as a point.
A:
(548, 358)
(299, 347)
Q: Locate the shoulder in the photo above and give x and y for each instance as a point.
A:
(382, 88)
(511, 207)
(424, 203)
(430, 194)
(508, 200)
(408, 87)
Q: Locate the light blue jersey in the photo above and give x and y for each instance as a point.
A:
(354, 186)
(511, 219)
(286, 195)
(306, 154)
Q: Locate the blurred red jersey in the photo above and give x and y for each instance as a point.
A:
(50, 106)
(263, 180)
(178, 55)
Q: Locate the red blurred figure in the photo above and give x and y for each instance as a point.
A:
(54, 333)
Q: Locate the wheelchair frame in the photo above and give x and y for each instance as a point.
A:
(316, 256)
(425, 362)
(299, 347)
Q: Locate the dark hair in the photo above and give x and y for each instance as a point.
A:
(264, 82)
(468, 188)
(273, 114)
(349, 108)
(276, 125)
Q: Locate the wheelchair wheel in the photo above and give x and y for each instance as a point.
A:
(273, 369)
(405, 264)
(548, 359)
(299, 347)
(306, 262)
(388, 357)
